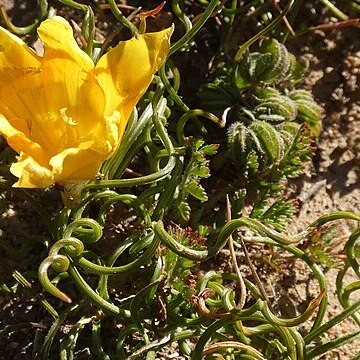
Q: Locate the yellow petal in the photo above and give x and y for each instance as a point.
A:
(66, 65)
(16, 58)
(33, 87)
(104, 138)
(76, 164)
(125, 72)
(73, 96)
(30, 173)
(21, 143)
(19, 67)
(109, 134)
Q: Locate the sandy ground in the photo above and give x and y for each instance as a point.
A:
(331, 183)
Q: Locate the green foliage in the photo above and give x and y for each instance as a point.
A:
(259, 139)
(322, 243)
(219, 95)
(299, 150)
(271, 64)
(180, 276)
(274, 107)
(270, 125)
(270, 133)
(141, 254)
(196, 169)
(308, 111)
(277, 213)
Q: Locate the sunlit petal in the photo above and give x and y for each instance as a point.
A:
(126, 71)
(21, 143)
(30, 173)
(76, 164)
(68, 72)
(19, 67)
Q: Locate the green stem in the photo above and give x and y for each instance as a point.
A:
(261, 33)
(75, 5)
(143, 180)
(343, 293)
(234, 10)
(175, 246)
(114, 167)
(225, 345)
(92, 295)
(59, 263)
(55, 327)
(43, 8)
(350, 251)
(197, 26)
(171, 90)
(89, 230)
(130, 200)
(166, 199)
(120, 17)
(77, 212)
(296, 320)
(300, 343)
(148, 349)
(331, 345)
(314, 267)
(67, 345)
(45, 281)
(133, 130)
(147, 179)
(332, 322)
(181, 15)
(175, 73)
(192, 114)
(17, 29)
(96, 339)
(135, 304)
(88, 30)
(224, 323)
(337, 12)
(111, 270)
(327, 218)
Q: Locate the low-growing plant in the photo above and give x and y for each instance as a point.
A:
(270, 125)
(136, 254)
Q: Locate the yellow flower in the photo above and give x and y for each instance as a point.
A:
(62, 114)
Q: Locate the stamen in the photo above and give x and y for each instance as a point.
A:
(69, 120)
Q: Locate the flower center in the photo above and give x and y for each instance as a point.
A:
(68, 119)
